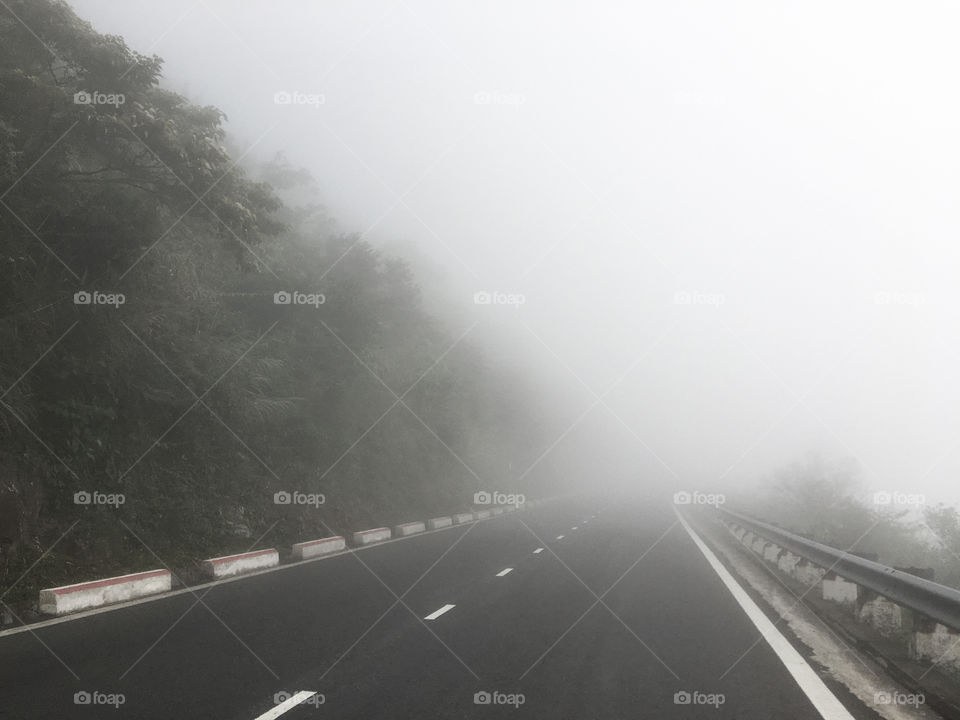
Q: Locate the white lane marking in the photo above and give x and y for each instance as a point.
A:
(504, 572)
(437, 613)
(559, 537)
(574, 527)
(538, 551)
(826, 703)
(288, 704)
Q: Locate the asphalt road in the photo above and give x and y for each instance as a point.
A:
(610, 621)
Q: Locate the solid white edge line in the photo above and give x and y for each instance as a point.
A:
(826, 703)
(288, 704)
(504, 572)
(437, 613)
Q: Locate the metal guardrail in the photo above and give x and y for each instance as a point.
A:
(938, 602)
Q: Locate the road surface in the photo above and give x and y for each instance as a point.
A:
(572, 609)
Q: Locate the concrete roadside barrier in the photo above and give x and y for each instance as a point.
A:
(230, 565)
(410, 528)
(497, 511)
(440, 522)
(461, 518)
(368, 537)
(86, 595)
(314, 548)
(482, 514)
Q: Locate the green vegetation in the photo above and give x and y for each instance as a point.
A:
(198, 397)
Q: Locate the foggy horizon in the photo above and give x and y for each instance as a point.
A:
(742, 217)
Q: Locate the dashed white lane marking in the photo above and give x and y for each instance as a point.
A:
(559, 537)
(437, 613)
(538, 551)
(288, 704)
(574, 527)
(504, 572)
(826, 703)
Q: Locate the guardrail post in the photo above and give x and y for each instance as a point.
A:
(839, 590)
(772, 553)
(882, 614)
(787, 563)
(932, 642)
(808, 573)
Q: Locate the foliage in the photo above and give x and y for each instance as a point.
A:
(199, 397)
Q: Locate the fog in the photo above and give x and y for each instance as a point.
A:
(732, 226)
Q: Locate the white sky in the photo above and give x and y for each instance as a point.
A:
(792, 162)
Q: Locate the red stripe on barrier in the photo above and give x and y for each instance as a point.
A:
(109, 581)
(229, 558)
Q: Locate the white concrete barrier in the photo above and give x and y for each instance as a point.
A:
(497, 511)
(937, 644)
(230, 565)
(366, 537)
(410, 528)
(85, 595)
(482, 514)
(838, 589)
(808, 573)
(882, 614)
(788, 563)
(313, 548)
(440, 522)
(461, 518)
